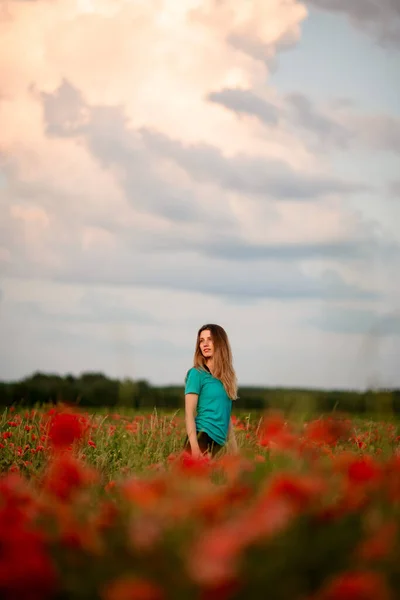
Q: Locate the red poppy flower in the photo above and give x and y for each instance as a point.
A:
(64, 429)
(67, 475)
(299, 490)
(275, 433)
(357, 586)
(326, 431)
(132, 588)
(192, 465)
(364, 470)
(380, 544)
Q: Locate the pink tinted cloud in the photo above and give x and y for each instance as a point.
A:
(157, 60)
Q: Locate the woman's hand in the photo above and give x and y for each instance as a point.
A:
(196, 452)
(190, 409)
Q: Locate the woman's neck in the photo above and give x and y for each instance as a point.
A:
(210, 364)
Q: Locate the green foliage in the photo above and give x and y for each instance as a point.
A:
(95, 390)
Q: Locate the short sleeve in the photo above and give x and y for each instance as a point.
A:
(193, 382)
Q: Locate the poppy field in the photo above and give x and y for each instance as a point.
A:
(109, 507)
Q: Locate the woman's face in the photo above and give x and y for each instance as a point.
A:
(206, 344)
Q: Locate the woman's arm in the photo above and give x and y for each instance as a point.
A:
(190, 409)
(232, 438)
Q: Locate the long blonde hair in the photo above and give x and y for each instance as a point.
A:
(223, 360)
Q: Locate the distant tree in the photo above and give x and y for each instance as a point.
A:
(94, 389)
(128, 395)
(5, 394)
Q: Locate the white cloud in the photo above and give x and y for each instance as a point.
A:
(339, 125)
(120, 171)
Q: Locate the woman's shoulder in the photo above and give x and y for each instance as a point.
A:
(189, 374)
(194, 371)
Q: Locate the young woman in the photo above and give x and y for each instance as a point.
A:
(210, 388)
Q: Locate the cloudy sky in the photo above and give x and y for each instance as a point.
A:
(168, 163)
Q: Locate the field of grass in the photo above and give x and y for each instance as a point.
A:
(106, 506)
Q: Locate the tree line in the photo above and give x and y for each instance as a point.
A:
(96, 390)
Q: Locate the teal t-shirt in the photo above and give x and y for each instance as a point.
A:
(214, 406)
